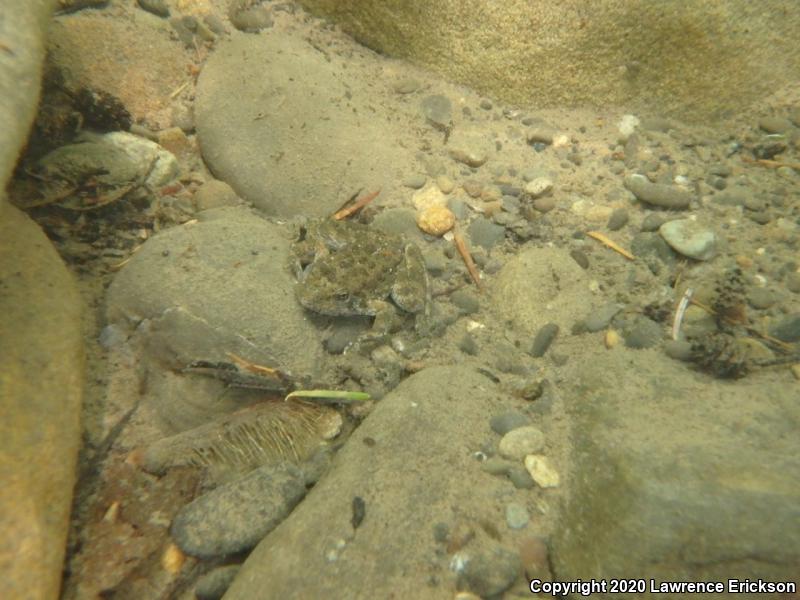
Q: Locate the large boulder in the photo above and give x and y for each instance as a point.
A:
(41, 386)
(699, 58)
(278, 121)
(403, 509)
(22, 48)
(206, 289)
(679, 479)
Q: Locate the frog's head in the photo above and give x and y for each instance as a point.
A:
(321, 297)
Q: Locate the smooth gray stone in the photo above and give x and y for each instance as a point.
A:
(236, 516)
(658, 194)
(41, 389)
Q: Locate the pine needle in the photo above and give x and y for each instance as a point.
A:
(331, 395)
(600, 237)
(467, 257)
(345, 212)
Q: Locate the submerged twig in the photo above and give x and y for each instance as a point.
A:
(600, 237)
(345, 212)
(461, 246)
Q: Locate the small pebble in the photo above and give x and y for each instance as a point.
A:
(541, 135)
(544, 338)
(459, 207)
(486, 234)
(732, 197)
(678, 349)
(541, 471)
(721, 170)
(600, 318)
(580, 257)
(652, 222)
(689, 238)
(436, 220)
(415, 182)
(497, 466)
(611, 339)
(535, 558)
(642, 333)
(519, 476)
(215, 24)
(249, 18)
(491, 572)
(468, 345)
(406, 85)
(156, 7)
(473, 188)
(787, 329)
(503, 423)
(520, 442)
(618, 219)
(342, 337)
(541, 186)
(466, 301)
(762, 218)
(658, 194)
(468, 147)
(517, 515)
(544, 205)
(446, 185)
(761, 298)
(775, 124)
(214, 194)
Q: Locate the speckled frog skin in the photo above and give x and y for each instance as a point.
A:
(351, 269)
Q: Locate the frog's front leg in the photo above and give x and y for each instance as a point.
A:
(386, 319)
(410, 290)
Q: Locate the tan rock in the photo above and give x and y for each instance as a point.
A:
(42, 383)
(542, 472)
(428, 196)
(662, 56)
(436, 220)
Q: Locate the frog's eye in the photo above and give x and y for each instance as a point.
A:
(342, 295)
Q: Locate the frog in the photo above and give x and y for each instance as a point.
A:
(350, 269)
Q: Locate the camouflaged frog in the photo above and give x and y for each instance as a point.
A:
(350, 269)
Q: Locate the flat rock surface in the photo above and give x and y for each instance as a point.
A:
(411, 463)
(531, 287)
(279, 122)
(42, 375)
(706, 493)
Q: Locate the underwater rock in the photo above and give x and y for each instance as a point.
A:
(236, 516)
(689, 238)
(658, 194)
(408, 455)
